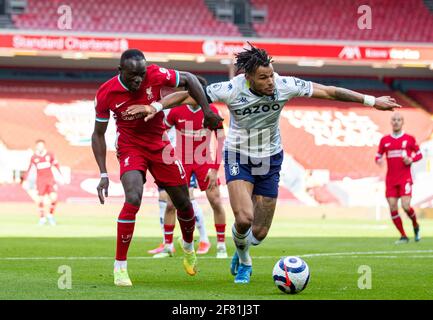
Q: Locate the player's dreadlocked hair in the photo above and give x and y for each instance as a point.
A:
(250, 59)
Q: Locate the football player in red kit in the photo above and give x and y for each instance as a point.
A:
(401, 151)
(44, 161)
(140, 147)
(193, 146)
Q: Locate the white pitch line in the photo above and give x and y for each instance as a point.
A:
(373, 254)
(363, 253)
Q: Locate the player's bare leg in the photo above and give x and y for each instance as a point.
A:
(168, 227)
(132, 182)
(53, 203)
(204, 243)
(185, 214)
(396, 219)
(405, 203)
(162, 203)
(240, 194)
(264, 209)
(214, 198)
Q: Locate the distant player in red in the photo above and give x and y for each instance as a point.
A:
(44, 161)
(401, 151)
(140, 147)
(193, 148)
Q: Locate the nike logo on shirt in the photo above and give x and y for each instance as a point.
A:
(118, 105)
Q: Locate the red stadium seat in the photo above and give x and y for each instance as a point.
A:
(425, 98)
(337, 19)
(147, 16)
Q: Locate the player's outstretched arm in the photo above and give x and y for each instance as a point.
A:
(99, 148)
(384, 103)
(24, 182)
(172, 100)
(176, 99)
(195, 90)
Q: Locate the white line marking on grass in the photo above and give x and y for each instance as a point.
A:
(363, 253)
(372, 254)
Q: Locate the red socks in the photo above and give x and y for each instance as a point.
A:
(221, 232)
(187, 223)
(125, 230)
(53, 207)
(41, 209)
(412, 215)
(397, 222)
(168, 233)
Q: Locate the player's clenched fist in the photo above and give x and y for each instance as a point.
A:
(211, 119)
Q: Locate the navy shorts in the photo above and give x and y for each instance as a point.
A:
(264, 173)
(192, 183)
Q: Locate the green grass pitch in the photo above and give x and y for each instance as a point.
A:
(334, 248)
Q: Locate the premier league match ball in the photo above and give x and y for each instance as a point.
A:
(291, 274)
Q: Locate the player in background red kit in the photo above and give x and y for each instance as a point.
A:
(44, 161)
(193, 147)
(140, 147)
(401, 151)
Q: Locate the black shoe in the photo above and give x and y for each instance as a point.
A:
(416, 231)
(402, 240)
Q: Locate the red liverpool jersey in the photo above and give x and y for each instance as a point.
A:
(43, 164)
(132, 131)
(192, 139)
(396, 148)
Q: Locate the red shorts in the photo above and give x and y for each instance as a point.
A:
(46, 187)
(200, 171)
(168, 173)
(397, 190)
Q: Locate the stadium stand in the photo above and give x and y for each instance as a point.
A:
(319, 134)
(425, 98)
(284, 19)
(419, 90)
(190, 17)
(337, 20)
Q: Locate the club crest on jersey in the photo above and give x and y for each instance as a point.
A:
(234, 169)
(404, 144)
(149, 93)
(127, 162)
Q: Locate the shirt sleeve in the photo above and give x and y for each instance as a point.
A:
(290, 87)
(169, 119)
(416, 154)
(54, 162)
(101, 107)
(168, 77)
(220, 92)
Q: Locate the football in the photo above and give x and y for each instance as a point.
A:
(291, 274)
